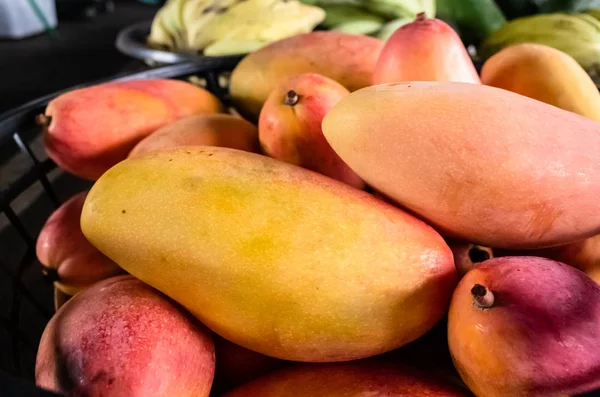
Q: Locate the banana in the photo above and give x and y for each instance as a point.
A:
(233, 47)
(595, 12)
(389, 28)
(159, 35)
(336, 15)
(392, 9)
(360, 27)
(259, 20)
(172, 20)
(224, 27)
(198, 14)
(576, 34)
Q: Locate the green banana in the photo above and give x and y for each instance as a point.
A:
(336, 15)
(392, 9)
(389, 28)
(233, 47)
(576, 34)
(388, 9)
(595, 12)
(360, 27)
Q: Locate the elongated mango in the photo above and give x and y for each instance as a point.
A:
(273, 257)
(479, 163)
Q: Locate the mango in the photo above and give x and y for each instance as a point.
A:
(372, 377)
(122, 338)
(290, 126)
(478, 163)
(318, 52)
(67, 257)
(584, 255)
(273, 257)
(468, 255)
(526, 326)
(201, 130)
(88, 130)
(546, 74)
(427, 49)
(236, 365)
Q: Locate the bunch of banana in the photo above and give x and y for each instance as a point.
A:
(226, 27)
(378, 18)
(576, 34)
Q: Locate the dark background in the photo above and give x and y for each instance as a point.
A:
(82, 50)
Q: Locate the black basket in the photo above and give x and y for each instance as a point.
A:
(31, 187)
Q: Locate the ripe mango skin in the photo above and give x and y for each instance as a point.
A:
(273, 257)
(540, 338)
(546, 74)
(122, 338)
(93, 128)
(371, 377)
(479, 163)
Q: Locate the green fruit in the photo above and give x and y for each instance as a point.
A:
(233, 47)
(595, 12)
(576, 34)
(389, 28)
(393, 9)
(475, 19)
(360, 27)
(336, 15)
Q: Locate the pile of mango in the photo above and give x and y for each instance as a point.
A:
(367, 219)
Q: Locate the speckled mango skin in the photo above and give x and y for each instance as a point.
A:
(273, 257)
(542, 336)
(478, 163)
(122, 338)
(363, 378)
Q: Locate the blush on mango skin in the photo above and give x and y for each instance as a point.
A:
(88, 130)
(521, 326)
(370, 377)
(67, 257)
(290, 126)
(427, 49)
(122, 338)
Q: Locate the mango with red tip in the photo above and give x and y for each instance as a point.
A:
(123, 338)
(289, 126)
(88, 130)
(526, 326)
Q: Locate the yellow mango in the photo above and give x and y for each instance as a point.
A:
(273, 257)
(546, 74)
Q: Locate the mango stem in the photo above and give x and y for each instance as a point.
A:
(477, 254)
(422, 16)
(43, 120)
(50, 274)
(291, 98)
(482, 297)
